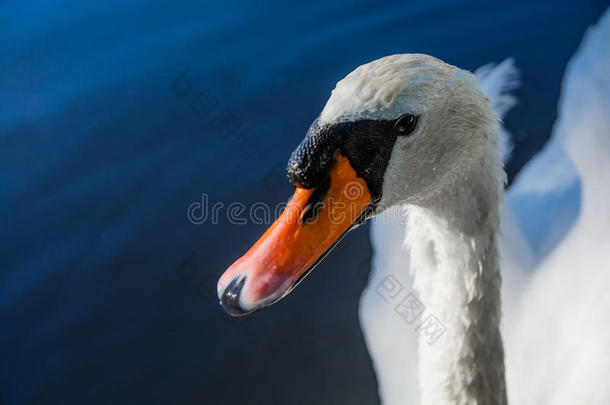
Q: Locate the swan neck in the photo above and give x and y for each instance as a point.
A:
(455, 266)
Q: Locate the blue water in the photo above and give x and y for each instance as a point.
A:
(116, 116)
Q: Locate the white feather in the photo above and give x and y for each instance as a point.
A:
(498, 82)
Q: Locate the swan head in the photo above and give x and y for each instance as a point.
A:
(400, 129)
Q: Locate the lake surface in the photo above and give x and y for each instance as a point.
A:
(115, 118)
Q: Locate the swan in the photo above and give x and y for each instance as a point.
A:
(406, 134)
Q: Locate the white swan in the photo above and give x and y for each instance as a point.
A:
(557, 310)
(403, 131)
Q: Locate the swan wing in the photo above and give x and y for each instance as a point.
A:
(557, 349)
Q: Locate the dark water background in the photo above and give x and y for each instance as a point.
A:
(116, 116)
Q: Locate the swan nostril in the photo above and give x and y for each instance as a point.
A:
(230, 297)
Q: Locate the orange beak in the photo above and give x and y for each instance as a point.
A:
(295, 242)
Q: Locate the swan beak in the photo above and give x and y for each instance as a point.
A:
(312, 223)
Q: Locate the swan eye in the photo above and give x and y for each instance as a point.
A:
(405, 124)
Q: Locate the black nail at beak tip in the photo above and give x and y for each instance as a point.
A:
(230, 297)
